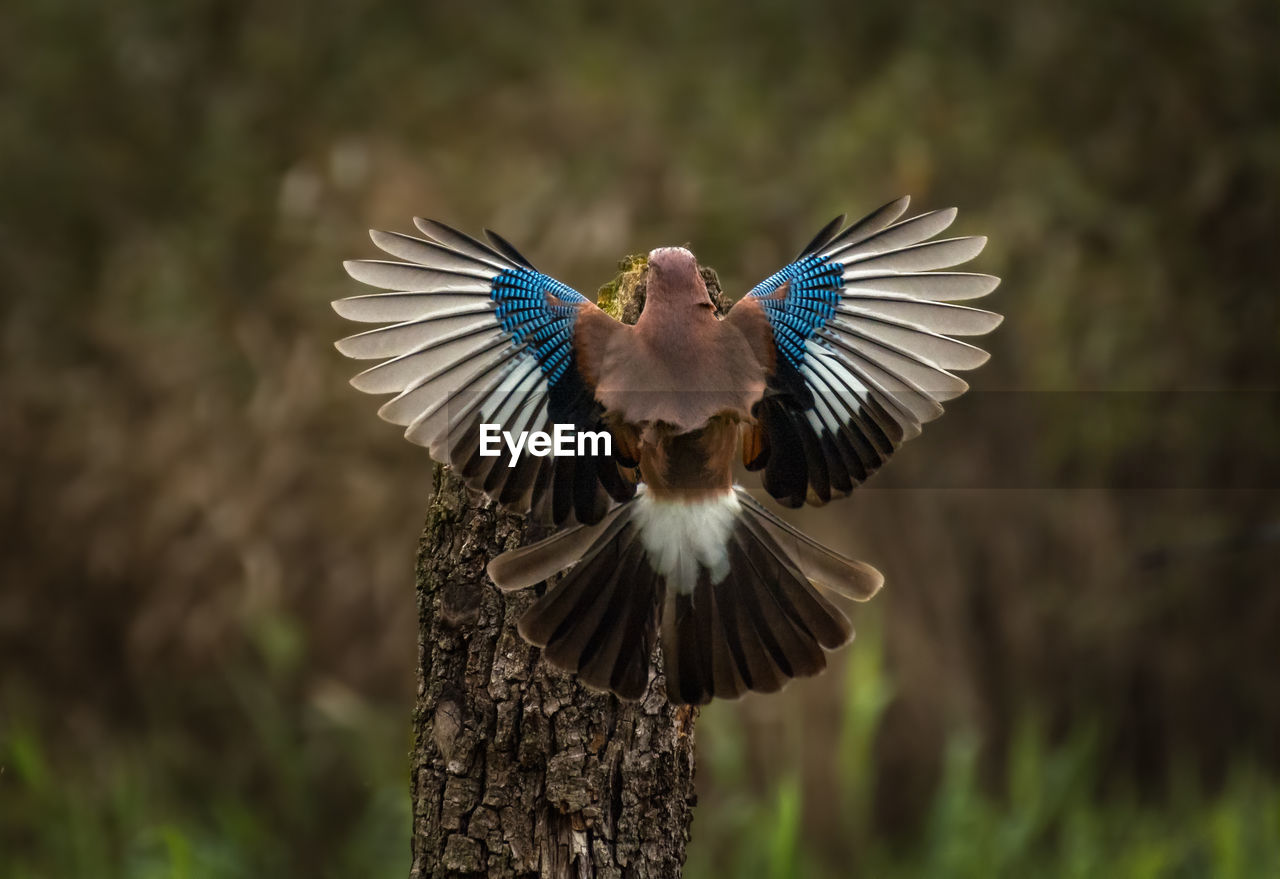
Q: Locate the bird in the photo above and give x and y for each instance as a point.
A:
(812, 379)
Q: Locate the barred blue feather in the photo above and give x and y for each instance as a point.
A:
(811, 300)
(862, 326)
(524, 312)
(479, 336)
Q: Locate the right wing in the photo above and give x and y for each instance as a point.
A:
(856, 337)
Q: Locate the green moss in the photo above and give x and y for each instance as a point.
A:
(613, 296)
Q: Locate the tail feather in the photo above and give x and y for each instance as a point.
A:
(751, 621)
(564, 618)
(593, 639)
(732, 666)
(756, 654)
(687, 644)
(795, 595)
(600, 620)
(707, 622)
(528, 565)
(781, 649)
(845, 576)
(718, 671)
(621, 655)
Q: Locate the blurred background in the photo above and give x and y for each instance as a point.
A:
(207, 629)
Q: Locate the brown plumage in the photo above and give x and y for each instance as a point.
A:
(680, 365)
(815, 378)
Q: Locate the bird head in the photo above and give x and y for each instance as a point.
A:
(674, 281)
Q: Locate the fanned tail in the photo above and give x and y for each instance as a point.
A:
(732, 584)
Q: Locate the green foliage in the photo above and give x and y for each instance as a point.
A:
(127, 810)
(867, 693)
(1052, 817)
(743, 832)
(1050, 822)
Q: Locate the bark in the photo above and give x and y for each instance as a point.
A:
(518, 770)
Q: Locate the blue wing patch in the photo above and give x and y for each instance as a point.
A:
(538, 311)
(863, 323)
(478, 336)
(812, 295)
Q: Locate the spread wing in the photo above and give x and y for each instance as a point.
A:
(478, 336)
(857, 337)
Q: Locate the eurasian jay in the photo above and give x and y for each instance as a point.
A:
(817, 375)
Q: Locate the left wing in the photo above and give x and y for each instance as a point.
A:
(479, 336)
(856, 337)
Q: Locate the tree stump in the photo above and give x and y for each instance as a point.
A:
(517, 769)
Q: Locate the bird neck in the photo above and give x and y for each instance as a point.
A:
(676, 325)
